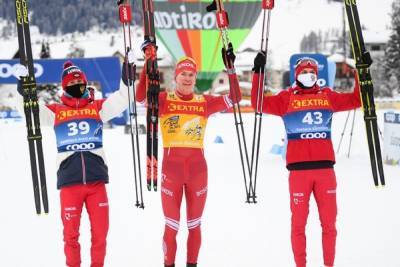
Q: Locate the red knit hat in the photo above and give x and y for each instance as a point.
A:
(306, 63)
(70, 73)
(185, 64)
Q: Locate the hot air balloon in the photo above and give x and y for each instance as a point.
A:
(187, 29)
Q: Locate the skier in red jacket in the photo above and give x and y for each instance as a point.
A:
(183, 120)
(307, 110)
(82, 168)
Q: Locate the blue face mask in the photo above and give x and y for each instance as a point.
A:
(308, 80)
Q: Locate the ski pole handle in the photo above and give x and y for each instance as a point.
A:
(222, 19)
(268, 4)
(125, 13)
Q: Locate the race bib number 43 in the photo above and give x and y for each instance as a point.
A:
(79, 135)
(308, 124)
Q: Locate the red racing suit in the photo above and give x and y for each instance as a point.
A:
(307, 115)
(183, 121)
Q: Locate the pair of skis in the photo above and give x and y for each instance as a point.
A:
(125, 17)
(363, 63)
(152, 89)
(31, 108)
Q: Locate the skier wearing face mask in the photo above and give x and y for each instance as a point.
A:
(306, 110)
(82, 169)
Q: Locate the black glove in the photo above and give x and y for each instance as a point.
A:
(212, 6)
(259, 62)
(128, 72)
(228, 57)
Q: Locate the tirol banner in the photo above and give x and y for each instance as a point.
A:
(392, 138)
(325, 77)
(187, 29)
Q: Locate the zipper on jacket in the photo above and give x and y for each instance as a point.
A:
(83, 169)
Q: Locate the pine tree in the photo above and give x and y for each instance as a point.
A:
(392, 52)
(45, 51)
(67, 16)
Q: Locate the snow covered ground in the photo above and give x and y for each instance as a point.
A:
(235, 234)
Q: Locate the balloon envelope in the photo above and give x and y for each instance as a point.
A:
(187, 29)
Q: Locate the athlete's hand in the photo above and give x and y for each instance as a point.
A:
(128, 71)
(131, 57)
(228, 56)
(259, 62)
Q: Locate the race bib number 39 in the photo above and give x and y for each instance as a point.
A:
(308, 124)
(79, 135)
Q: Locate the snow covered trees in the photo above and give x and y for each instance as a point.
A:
(392, 53)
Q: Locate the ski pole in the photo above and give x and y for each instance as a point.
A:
(351, 132)
(262, 83)
(223, 23)
(344, 129)
(125, 17)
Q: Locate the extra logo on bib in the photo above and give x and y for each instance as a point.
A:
(308, 117)
(78, 130)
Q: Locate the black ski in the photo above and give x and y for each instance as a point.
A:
(31, 107)
(153, 90)
(363, 63)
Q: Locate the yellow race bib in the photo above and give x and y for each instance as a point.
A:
(183, 123)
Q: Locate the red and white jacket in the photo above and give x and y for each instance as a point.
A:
(307, 114)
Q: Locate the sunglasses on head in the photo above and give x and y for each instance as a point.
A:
(306, 61)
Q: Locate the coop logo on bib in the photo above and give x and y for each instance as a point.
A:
(81, 146)
(322, 135)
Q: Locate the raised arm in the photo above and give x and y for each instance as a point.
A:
(346, 101)
(220, 103)
(115, 104)
(275, 105)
